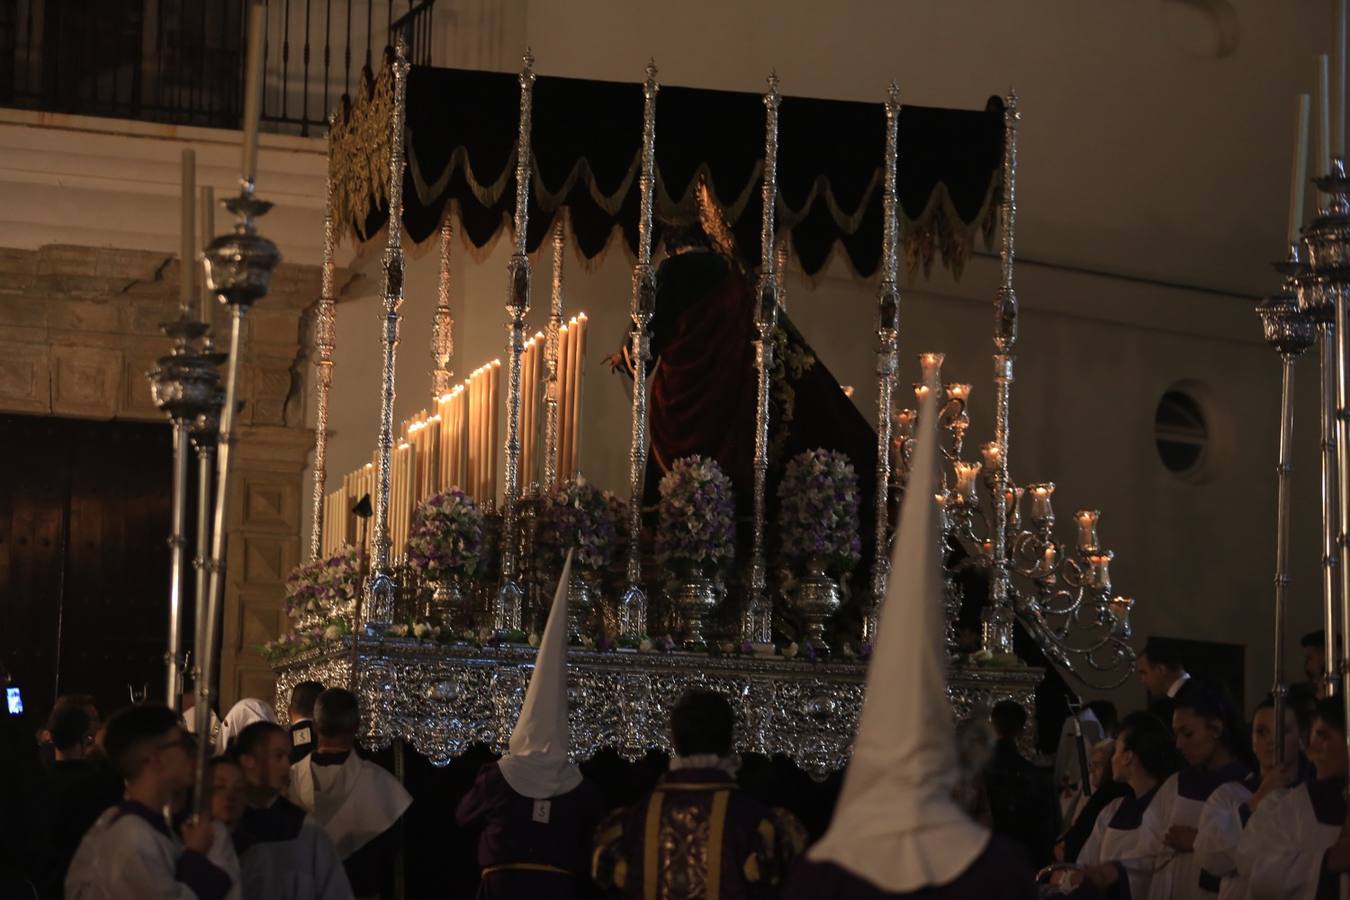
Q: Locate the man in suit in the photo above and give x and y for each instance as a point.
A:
(1163, 673)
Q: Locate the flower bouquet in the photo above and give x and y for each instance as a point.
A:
(818, 520)
(581, 517)
(446, 538)
(818, 511)
(696, 526)
(695, 538)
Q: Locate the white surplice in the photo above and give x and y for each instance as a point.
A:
(1130, 838)
(300, 864)
(1218, 837)
(1282, 847)
(123, 857)
(354, 802)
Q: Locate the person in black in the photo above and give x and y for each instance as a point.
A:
(301, 713)
(1163, 673)
(1021, 797)
(80, 789)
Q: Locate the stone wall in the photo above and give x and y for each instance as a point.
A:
(79, 330)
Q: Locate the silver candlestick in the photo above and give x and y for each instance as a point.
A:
(888, 343)
(382, 588)
(551, 345)
(510, 597)
(1289, 332)
(443, 324)
(633, 616)
(325, 340)
(757, 621)
(997, 619)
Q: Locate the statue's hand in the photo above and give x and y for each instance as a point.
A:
(617, 362)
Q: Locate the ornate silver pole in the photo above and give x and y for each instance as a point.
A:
(888, 341)
(442, 324)
(1289, 332)
(180, 386)
(551, 344)
(510, 597)
(325, 339)
(382, 589)
(239, 269)
(997, 619)
(633, 609)
(757, 622)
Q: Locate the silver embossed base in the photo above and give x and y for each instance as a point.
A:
(442, 699)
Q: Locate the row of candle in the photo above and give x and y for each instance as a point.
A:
(457, 443)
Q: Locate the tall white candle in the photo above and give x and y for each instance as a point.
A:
(1323, 114)
(187, 232)
(207, 212)
(495, 401)
(253, 78)
(564, 400)
(1338, 128)
(1298, 171)
(577, 381)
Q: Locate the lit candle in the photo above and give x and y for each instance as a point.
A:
(966, 473)
(1298, 171)
(1323, 114)
(564, 400)
(1087, 530)
(1120, 608)
(1100, 571)
(526, 415)
(1338, 86)
(1013, 497)
(576, 389)
(921, 393)
(1042, 513)
(208, 231)
(495, 401)
(959, 392)
(931, 364)
(904, 423)
(993, 456)
(253, 78)
(187, 231)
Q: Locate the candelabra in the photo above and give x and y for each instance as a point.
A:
(1289, 332)
(633, 609)
(510, 597)
(757, 621)
(1321, 285)
(382, 588)
(1063, 597)
(443, 324)
(888, 340)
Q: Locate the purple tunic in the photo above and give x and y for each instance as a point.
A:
(999, 873)
(516, 830)
(693, 827)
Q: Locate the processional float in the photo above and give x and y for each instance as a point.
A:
(442, 664)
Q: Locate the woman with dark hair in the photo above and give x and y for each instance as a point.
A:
(1213, 744)
(1295, 843)
(1227, 811)
(1121, 856)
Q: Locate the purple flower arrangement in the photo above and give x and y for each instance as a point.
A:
(818, 512)
(696, 526)
(579, 516)
(446, 538)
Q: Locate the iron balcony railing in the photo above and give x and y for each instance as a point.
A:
(181, 61)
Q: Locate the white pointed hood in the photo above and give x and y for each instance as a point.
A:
(897, 824)
(536, 764)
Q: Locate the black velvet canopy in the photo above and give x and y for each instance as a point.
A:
(586, 136)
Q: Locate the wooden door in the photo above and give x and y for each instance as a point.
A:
(84, 558)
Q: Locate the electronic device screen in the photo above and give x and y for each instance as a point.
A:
(14, 700)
